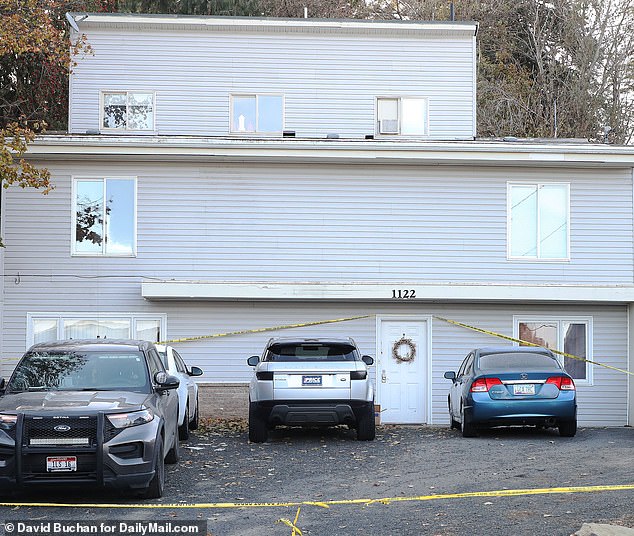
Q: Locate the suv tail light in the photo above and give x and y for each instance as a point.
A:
(563, 383)
(264, 376)
(358, 375)
(482, 385)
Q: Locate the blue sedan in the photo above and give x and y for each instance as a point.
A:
(512, 385)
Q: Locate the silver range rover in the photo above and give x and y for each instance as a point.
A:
(310, 382)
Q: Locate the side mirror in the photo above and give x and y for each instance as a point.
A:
(195, 371)
(253, 360)
(3, 386)
(450, 375)
(368, 360)
(165, 381)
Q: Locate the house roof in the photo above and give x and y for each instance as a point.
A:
(126, 21)
(193, 148)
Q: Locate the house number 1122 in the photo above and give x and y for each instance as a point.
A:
(399, 294)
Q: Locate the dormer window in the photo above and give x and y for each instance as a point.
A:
(402, 116)
(127, 110)
(257, 114)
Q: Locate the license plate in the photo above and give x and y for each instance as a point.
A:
(311, 380)
(524, 389)
(61, 463)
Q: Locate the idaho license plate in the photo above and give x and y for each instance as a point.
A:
(524, 389)
(61, 463)
(311, 380)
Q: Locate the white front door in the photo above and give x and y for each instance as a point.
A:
(402, 370)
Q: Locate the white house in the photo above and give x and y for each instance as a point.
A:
(226, 175)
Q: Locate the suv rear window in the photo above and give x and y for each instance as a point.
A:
(517, 360)
(311, 352)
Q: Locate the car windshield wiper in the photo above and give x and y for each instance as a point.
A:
(83, 389)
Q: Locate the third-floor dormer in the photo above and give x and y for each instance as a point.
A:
(250, 77)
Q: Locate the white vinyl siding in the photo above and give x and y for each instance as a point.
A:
(330, 82)
(223, 359)
(200, 221)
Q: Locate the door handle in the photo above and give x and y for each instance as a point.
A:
(383, 376)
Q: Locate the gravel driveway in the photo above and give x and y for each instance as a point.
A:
(219, 465)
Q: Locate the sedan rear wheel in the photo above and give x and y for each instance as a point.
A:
(193, 425)
(468, 428)
(183, 429)
(568, 428)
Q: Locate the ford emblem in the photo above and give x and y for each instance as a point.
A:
(62, 428)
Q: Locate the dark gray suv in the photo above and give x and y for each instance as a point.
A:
(100, 412)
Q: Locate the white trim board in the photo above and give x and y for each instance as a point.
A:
(394, 292)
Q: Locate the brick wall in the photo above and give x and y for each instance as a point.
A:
(223, 400)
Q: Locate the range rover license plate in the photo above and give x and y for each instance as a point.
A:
(311, 380)
(61, 463)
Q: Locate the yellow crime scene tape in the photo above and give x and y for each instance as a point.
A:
(296, 531)
(262, 330)
(335, 502)
(527, 343)
(347, 319)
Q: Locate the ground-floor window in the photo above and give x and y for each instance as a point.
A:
(569, 335)
(44, 327)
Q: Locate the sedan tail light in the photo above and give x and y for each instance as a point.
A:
(264, 376)
(358, 375)
(563, 383)
(482, 385)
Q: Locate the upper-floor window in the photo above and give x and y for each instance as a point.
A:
(104, 217)
(257, 114)
(127, 110)
(538, 221)
(402, 116)
(568, 335)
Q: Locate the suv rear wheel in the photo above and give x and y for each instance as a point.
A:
(258, 429)
(366, 429)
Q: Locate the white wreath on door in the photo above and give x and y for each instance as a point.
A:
(404, 350)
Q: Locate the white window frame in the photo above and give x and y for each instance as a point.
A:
(257, 96)
(102, 94)
(60, 317)
(587, 320)
(399, 99)
(73, 218)
(537, 257)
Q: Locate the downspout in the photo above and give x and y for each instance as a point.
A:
(630, 326)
